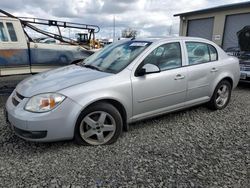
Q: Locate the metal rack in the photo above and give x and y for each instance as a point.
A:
(29, 22)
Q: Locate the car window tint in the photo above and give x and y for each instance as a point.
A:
(3, 34)
(213, 53)
(11, 31)
(167, 56)
(197, 53)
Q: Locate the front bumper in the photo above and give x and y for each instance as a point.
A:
(245, 76)
(55, 125)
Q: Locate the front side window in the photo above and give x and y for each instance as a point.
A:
(115, 57)
(11, 31)
(3, 34)
(166, 56)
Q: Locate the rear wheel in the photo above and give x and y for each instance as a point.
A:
(221, 96)
(99, 124)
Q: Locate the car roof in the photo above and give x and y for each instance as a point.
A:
(8, 18)
(159, 39)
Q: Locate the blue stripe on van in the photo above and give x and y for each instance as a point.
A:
(19, 57)
(13, 57)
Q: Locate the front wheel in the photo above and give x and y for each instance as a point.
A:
(99, 124)
(221, 96)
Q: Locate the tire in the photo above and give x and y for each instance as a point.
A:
(99, 124)
(221, 96)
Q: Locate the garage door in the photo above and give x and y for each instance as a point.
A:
(201, 28)
(234, 23)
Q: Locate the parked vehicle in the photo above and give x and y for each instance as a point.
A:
(127, 81)
(49, 41)
(243, 53)
(20, 54)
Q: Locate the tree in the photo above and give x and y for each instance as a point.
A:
(129, 33)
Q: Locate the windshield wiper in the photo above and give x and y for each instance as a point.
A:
(92, 67)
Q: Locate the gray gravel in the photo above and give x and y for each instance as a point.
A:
(191, 148)
(8, 83)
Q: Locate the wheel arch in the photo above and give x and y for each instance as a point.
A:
(229, 79)
(117, 104)
(222, 77)
(213, 104)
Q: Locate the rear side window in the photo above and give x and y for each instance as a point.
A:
(213, 53)
(200, 53)
(3, 34)
(11, 31)
(197, 53)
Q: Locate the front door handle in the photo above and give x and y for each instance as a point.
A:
(214, 69)
(179, 77)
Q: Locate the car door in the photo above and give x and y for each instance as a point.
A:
(13, 48)
(202, 69)
(163, 91)
(45, 56)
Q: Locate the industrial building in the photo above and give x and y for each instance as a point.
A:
(222, 25)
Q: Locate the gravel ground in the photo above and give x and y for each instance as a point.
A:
(191, 148)
(8, 83)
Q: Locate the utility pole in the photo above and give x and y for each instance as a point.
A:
(113, 28)
(170, 30)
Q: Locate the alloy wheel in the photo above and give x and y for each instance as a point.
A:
(97, 128)
(222, 95)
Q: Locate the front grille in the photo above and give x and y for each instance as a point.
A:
(30, 134)
(244, 68)
(14, 101)
(247, 68)
(247, 79)
(17, 98)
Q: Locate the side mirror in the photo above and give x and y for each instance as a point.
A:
(148, 69)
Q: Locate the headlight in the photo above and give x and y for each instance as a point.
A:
(44, 102)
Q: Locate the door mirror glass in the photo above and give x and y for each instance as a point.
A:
(148, 69)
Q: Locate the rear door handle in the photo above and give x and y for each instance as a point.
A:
(179, 77)
(214, 69)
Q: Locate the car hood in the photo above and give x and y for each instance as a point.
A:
(244, 38)
(57, 79)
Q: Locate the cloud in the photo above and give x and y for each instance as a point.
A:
(118, 7)
(149, 17)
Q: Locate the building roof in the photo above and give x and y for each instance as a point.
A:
(218, 8)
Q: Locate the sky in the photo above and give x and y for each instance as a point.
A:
(148, 17)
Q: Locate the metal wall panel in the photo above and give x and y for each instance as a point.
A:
(234, 23)
(201, 28)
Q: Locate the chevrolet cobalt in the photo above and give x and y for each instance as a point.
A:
(94, 101)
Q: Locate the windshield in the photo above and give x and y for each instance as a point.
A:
(115, 57)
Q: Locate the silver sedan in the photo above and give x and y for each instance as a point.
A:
(94, 101)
